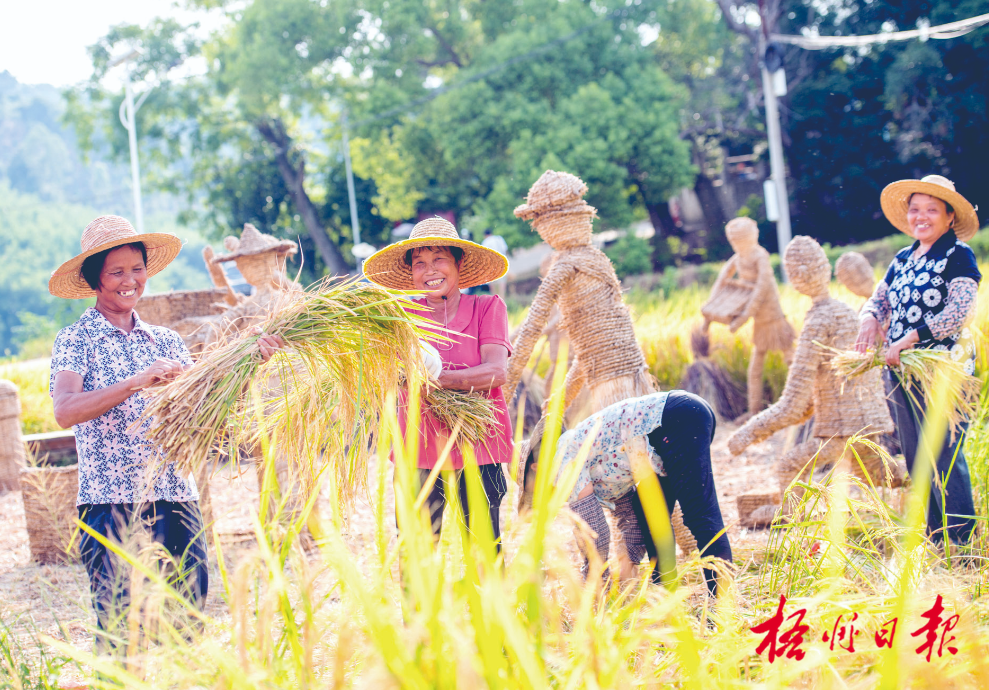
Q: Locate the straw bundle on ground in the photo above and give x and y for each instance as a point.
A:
(50, 512)
(712, 382)
(749, 505)
(11, 446)
(345, 344)
(921, 370)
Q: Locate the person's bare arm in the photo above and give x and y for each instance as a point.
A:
(492, 372)
(74, 406)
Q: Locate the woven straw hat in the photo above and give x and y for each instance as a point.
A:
(480, 265)
(253, 242)
(107, 232)
(555, 192)
(895, 200)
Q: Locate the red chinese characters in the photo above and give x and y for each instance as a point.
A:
(789, 642)
(930, 630)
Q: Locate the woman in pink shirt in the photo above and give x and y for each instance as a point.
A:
(434, 259)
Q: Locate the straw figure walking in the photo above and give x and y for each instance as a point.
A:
(752, 295)
(842, 409)
(582, 283)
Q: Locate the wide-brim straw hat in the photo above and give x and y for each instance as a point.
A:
(479, 266)
(895, 200)
(253, 242)
(107, 232)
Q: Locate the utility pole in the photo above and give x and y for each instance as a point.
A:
(128, 118)
(350, 181)
(777, 165)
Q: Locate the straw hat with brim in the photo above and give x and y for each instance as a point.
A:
(107, 232)
(555, 192)
(480, 265)
(896, 199)
(253, 242)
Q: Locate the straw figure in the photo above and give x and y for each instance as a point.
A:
(11, 445)
(261, 259)
(582, 283)
(842, 409)
(754, 295)
(856, 273)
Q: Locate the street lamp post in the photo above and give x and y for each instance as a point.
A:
(777, 166)
(128, 118)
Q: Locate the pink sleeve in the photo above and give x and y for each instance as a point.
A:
(492, 327)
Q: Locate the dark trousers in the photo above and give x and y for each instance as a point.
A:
(176, 526)
(909, 411)
(684, 443)
(495, 487)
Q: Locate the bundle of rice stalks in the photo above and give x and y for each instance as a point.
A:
(348, 343)
(474, 413)
(710, 381)
(920, 370)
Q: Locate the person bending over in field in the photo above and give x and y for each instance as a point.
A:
(672, 432)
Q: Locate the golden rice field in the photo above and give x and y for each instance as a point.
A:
(394, 611)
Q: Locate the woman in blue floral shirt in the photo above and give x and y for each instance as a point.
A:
(926, 300)
(99, 365)
(675, 430)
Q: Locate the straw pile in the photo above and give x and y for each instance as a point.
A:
(168, 308)
(50, 511)
(345, 341)
(921, 370)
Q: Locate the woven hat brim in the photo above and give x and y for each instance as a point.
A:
(282, 247)
(527, 212)
(480, 265)
(67, 281)
(895, 200)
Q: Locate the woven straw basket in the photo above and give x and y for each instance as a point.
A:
(168, 308)
(749, 503)
(50, 511)
(11, 446)
(728, 302)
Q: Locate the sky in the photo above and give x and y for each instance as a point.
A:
(44, 41)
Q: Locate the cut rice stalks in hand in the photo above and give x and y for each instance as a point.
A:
(473, 412)
(920, 370)
(347, 344)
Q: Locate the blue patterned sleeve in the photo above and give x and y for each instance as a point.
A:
(878, 305)
(69, 353)
(179, 351)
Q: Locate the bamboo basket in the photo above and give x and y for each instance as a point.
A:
(749, 503)
(728, 302)
(168, 308)
(50, 511)
(11, 445)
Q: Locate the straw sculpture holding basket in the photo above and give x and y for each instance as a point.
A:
(582, 282)
(925, 301)
(752, 295)
(472, 346)
(841, 409)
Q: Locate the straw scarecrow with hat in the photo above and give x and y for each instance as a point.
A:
(841, 409)
(752, 295)
(582, 282)
(925, 301)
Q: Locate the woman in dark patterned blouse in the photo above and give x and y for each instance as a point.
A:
(926, 300)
